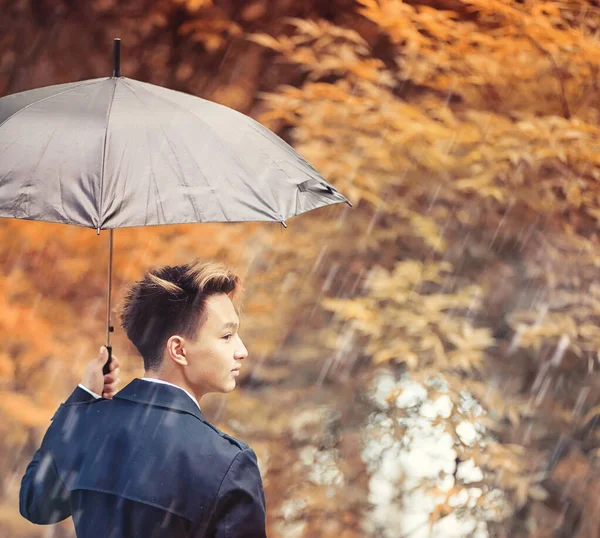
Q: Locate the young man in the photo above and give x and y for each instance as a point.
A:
(144, 462)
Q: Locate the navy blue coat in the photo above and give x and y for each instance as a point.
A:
(145, 464)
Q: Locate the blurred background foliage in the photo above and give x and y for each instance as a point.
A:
(455, 309)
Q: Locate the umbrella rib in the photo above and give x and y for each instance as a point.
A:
(85, 83)
(99, 223)
(198, 213)
(274, 163)
(224, 146)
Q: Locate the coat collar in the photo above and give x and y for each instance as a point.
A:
(159, 395)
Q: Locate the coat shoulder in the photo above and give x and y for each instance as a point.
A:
(232, 441)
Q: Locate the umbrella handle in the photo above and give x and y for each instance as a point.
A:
(105, 368)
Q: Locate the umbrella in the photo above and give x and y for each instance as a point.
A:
(115, 152)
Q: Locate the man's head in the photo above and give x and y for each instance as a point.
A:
(184, 324)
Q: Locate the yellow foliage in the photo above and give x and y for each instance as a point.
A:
(520, 140)
(417, 327)
(472, 138)
(20, 409)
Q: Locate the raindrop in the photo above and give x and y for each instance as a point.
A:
(562, 346)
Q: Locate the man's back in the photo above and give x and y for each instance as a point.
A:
(147, 464)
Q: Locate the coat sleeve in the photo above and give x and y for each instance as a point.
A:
(240, 509)
(44, 499)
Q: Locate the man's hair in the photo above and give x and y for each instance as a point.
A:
(172, 300)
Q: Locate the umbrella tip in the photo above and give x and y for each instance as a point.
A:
(117, 57)
(283, 224)
(349, 203)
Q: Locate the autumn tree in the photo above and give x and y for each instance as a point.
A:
(465, 133)
(469, 137)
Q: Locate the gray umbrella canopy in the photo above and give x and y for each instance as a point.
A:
(115, 152)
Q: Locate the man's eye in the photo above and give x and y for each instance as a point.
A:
(227, 337)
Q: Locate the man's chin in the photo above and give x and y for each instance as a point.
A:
(228, 386)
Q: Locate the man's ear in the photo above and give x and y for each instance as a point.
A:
(176, 349)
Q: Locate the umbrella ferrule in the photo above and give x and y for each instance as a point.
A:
(117, 57)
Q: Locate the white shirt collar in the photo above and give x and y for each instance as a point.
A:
(153, 380)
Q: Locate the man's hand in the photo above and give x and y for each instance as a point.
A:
(96, 381)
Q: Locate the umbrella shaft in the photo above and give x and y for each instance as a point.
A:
(110, 258)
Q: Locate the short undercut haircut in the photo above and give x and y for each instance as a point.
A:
(171, 300)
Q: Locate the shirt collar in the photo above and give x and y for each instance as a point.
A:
(153, 380)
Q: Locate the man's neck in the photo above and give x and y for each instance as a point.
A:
(169, 379)
(174, 378)
(165, 376)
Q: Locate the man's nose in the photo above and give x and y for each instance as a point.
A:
(241, 352)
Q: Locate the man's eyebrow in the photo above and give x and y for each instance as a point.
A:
(231, 325)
